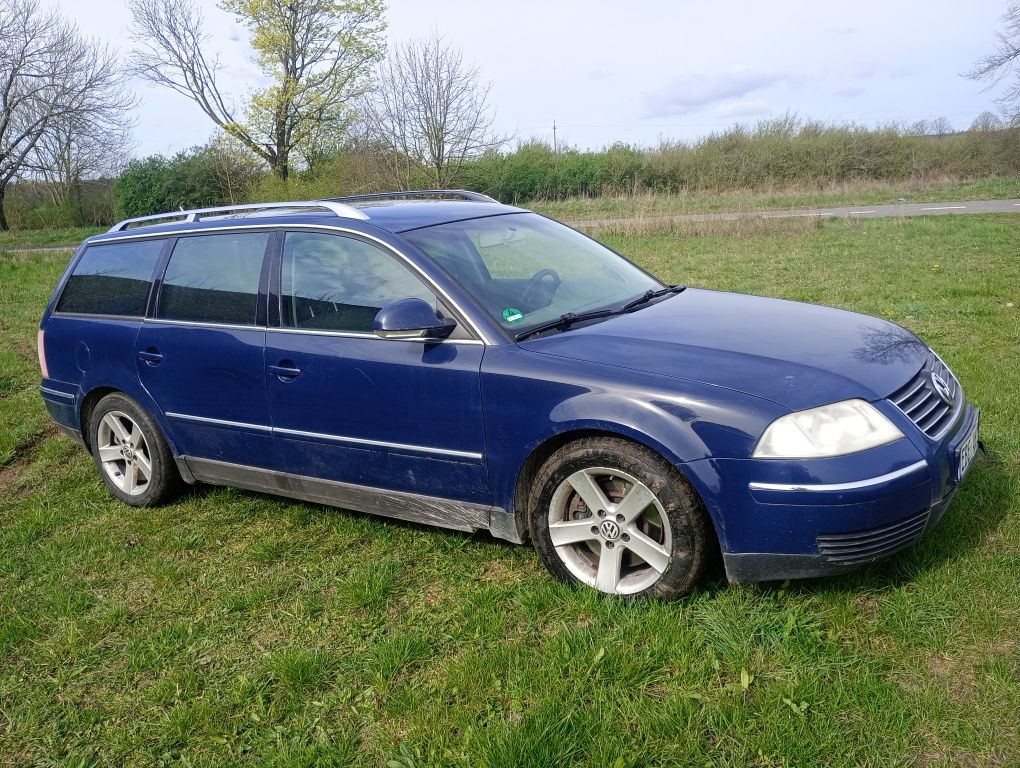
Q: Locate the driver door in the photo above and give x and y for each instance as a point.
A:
(348, 406)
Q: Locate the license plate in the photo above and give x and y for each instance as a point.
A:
(966, 452)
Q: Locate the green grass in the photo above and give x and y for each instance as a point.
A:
(230, 628)
(32, 238)
(857, 193)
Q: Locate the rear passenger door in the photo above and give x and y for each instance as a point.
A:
(200, 352)
(90, 333)
(349, 406)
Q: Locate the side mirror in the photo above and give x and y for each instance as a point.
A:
(413, 320)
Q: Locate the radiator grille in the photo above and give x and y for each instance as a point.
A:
(865, 546)
(920, 400)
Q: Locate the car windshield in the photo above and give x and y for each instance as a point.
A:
(526, 270)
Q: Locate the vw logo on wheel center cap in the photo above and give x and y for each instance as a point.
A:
(609, 530)
(942, 389)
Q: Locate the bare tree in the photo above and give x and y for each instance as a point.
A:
(918, 128)
(431, 111)
(317, 55)
(940, 127)
(1003, 62)
(73, 152)
(986, 122)
(49, 75)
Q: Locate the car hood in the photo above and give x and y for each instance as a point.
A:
(798, 355)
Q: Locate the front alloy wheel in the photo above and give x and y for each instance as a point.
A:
(610, 531)
(611, 514)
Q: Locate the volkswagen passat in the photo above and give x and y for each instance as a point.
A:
(441, 358)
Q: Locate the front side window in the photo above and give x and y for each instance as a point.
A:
(112, 279)
(526, 270)
(337, 283)
(214, 279)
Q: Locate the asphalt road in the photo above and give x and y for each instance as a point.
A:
(851, 212)
(860, 211)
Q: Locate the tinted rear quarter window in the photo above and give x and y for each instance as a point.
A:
(112, 279)
(214, 279)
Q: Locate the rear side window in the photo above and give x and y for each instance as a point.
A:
(112, 279)
(214, 279)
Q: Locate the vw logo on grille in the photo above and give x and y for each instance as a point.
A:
(609, 530)
(942, 389)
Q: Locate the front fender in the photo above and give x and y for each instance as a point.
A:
(531, 399)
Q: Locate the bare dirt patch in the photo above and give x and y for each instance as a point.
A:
(11, 473)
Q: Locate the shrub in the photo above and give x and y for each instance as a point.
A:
(200, 177)
(778, 153)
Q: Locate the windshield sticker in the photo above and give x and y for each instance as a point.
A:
(513, 315)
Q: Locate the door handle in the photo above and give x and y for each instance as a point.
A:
(285, 370)
(151, 356)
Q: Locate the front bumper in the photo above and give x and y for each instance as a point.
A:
(793, 527)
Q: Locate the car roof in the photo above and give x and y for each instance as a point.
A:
(404, 215)
(391, 214)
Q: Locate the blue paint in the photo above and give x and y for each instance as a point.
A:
(696, 376)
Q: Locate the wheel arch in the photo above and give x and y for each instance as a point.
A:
(88, 405)
(94, 395)
(541, 453)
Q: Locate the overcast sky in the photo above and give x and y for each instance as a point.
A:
(648, 69)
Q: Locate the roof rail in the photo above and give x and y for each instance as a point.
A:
(195, 214)
(462, 193)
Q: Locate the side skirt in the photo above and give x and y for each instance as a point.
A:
(430, 510)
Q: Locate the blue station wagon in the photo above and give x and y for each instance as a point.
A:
(441, 358)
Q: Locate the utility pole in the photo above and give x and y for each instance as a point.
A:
(555, 148)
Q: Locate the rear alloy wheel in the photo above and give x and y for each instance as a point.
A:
(615, 516)
(134, 460)
(124, 454)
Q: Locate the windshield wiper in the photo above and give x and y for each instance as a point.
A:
(563, 322)
(647, 296)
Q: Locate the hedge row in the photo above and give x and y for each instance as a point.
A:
(776, 154)
(808, 155)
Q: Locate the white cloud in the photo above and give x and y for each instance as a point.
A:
(692, 93)
(742, 108)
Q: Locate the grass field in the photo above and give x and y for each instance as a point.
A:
(231, 628)
(40, 238)
(856, 193)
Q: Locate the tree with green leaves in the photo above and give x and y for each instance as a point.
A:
(317, 55)
(213, 174)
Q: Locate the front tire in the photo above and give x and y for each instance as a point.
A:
(611, 514)
(133, 458)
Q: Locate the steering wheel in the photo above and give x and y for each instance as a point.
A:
(535, 282)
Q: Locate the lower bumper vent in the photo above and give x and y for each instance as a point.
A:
(865, 546)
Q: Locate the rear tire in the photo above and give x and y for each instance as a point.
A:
(131, 454)
(614, 515)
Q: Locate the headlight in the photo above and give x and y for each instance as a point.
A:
(832, 430)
